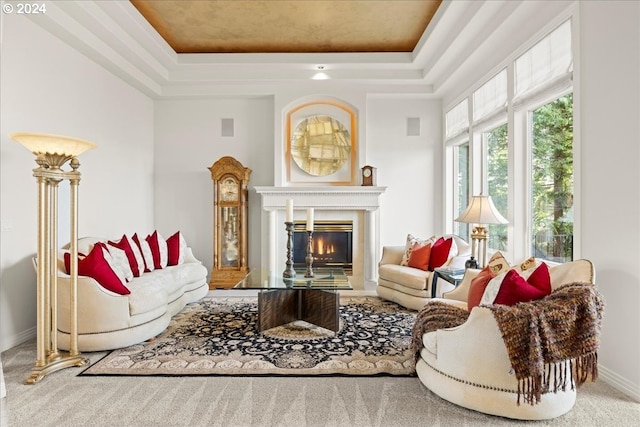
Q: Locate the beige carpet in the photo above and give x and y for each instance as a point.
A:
(66, 399)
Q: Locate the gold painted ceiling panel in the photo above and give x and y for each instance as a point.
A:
(282, 26)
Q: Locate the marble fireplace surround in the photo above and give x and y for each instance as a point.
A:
(355, 203)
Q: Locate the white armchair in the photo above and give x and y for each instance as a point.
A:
(469, 364)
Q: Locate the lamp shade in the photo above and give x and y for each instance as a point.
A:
(481, 210)
(40, 143)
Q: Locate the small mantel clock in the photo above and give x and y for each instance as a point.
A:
(230, 218)
(368, 176)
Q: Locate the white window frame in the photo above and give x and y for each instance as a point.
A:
(517, 116)
(523, 117)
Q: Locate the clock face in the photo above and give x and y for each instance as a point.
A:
(367, 173)
(229, 190)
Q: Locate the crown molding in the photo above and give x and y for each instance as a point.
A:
(115, 35)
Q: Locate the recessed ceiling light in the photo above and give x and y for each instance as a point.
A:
(320, 76)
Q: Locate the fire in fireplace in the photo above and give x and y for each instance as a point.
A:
(332, 244)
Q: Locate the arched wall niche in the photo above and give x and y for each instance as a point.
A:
(313, 112)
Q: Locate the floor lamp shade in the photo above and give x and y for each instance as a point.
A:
(44, 143)
(480, 211)
(52, 152)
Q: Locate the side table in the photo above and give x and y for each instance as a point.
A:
(452, 276)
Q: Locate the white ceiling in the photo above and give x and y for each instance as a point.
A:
(464, 39)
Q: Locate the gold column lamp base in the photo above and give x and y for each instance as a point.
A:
(479, 244)
(52, 153)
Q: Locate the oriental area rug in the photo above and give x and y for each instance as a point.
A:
(219, 336)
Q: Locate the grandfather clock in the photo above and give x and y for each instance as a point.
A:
(230, 215)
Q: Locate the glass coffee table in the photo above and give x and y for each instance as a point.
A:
(281, 300)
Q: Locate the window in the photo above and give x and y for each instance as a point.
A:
(512, 139)
(545, 62)
(490, 97)
(462, 157)
(552, 182)
(457, 119)
(495, 141)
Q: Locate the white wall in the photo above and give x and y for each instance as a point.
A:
(609, 108)
(409, 166)
(48, 87)
(188, 142)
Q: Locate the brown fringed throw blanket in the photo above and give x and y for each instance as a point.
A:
(552, 342)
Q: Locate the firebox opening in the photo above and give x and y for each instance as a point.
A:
(332, 245)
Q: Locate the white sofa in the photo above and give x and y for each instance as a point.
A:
(107, 320)
(411, 287)
(468, 365)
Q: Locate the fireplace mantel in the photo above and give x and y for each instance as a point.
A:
(327, 197)
(351, 199)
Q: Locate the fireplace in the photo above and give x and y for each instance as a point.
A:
(332, 244)
(358, 204)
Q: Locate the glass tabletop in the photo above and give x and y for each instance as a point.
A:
(324, 278)
(451, 274)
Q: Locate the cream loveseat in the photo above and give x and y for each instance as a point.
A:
(108, 320)
(411, 287)
(469, 364)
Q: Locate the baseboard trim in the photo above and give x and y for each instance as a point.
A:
(14, 340)
(619, 383)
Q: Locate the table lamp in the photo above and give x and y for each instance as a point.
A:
(481, 210)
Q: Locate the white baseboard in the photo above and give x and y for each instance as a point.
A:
(619, 383)
(14, 340)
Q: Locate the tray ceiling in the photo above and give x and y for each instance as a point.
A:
(298, 26)
(460, 41)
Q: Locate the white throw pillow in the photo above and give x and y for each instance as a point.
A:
(147, 255)
(119, 262)
(528, 266)
(492, 289)
(115, 262)
(164, 254)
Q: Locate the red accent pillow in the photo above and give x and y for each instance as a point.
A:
(440, 253)
(477, 287)
(515, 288)
(147, 266)
(67, 261)
(154, 244)
(540, 278)
(174, 253)
(96, 266)
(419, 257)
(496, 265)
(126, 247)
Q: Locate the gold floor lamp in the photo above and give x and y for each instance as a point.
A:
(481, 210)
(52, 153)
